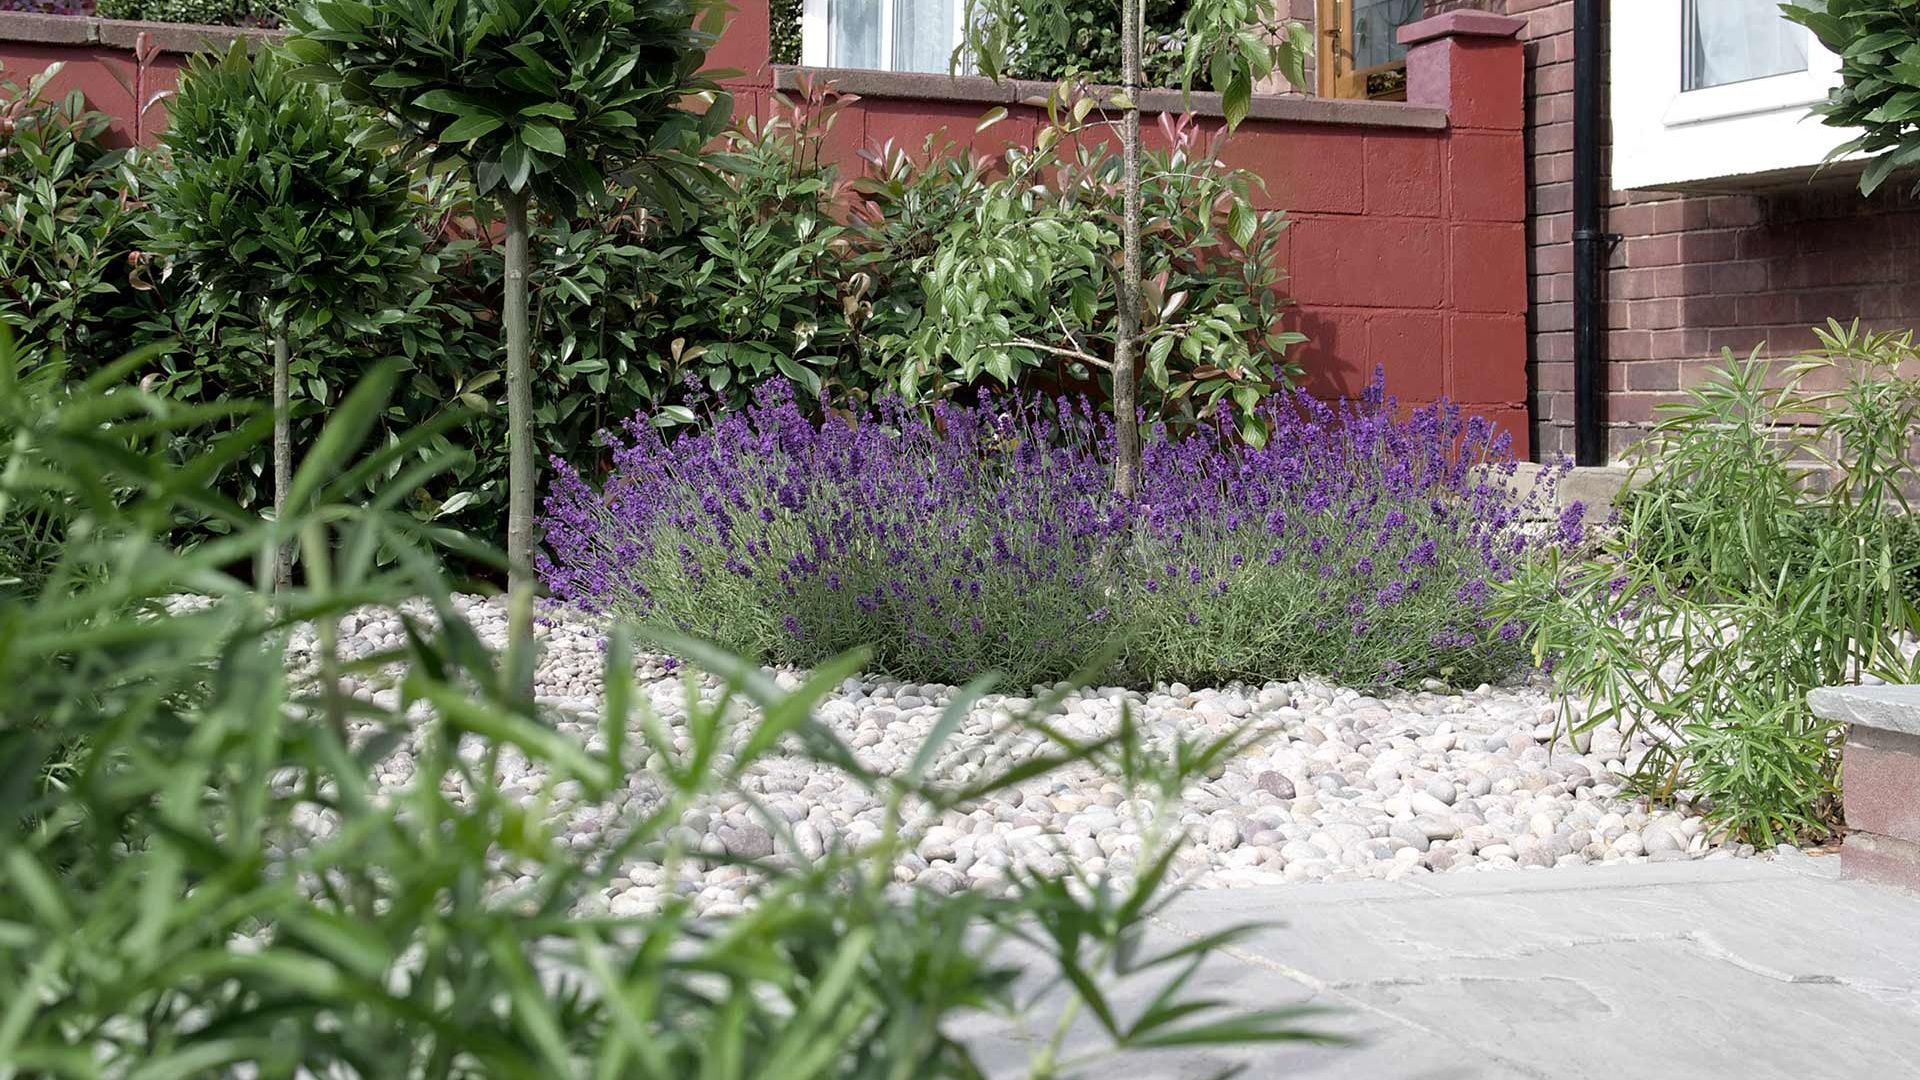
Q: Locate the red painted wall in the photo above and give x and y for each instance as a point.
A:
(124, 68)
(1408, 247)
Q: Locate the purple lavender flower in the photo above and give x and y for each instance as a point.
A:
(1361, 542)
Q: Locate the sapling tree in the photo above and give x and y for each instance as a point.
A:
(1238, 43)
(269, 204)
(542, 102)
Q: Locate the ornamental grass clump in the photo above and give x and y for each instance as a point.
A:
(1358, 543)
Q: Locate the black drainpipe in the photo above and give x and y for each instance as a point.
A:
(1590, 242)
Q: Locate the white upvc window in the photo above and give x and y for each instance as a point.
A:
(1714, 93)
(882, 35)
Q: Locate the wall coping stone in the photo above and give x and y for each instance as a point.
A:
(1463, 23)
(977, 89)
(39, 28)
(1883, 708)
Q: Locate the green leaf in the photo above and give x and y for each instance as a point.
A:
(1236, 97)
(545, 138)
(444, 101)
(469, 128)
(1242, 223)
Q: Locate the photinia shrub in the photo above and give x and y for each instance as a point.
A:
(69, 222)
(1359, 542)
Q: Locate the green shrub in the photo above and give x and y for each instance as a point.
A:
(1768, 553)
(204, 874)
(1089, 44)
(1879, 92)
(69, 212)
(198, 12)
(1086, 44)
(784, 43)
(1021, 280)
(766, 281)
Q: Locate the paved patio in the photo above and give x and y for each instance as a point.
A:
(1727, 968)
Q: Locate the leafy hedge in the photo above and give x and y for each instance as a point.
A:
(792, 271)
(262, 13)
(199, 12)
(1088, 45)
(785, 45)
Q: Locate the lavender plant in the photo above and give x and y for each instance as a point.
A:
(1360, 542)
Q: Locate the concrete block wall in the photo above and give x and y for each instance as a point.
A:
(1408, 243)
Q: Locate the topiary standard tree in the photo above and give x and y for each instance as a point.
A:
(541, 101)
(1238, 43)
(1878, 42)
(268, 203)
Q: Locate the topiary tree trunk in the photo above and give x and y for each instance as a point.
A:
(522, 465)
(282, 443)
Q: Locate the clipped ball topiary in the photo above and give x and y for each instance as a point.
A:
(270, 200)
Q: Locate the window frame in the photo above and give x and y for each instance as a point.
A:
(816, 34)
(1335, 75)
(1738, 135)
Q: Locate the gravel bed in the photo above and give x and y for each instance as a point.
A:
(1346, 786)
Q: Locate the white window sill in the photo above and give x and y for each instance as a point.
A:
(1749, 98)
(1743, 136)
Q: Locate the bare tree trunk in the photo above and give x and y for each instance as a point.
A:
(1126, 466)
(282, 448)
(521, 476)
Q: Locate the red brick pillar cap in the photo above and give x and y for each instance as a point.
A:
(1883, 708)
(1461, 24)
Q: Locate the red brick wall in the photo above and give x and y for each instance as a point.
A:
(1694, 273)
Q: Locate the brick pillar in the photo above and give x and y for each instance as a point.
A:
(1473, 65)
(1879, 779)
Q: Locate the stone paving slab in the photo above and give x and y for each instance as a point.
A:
(1722, 968)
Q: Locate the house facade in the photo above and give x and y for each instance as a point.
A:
(1720, 228)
